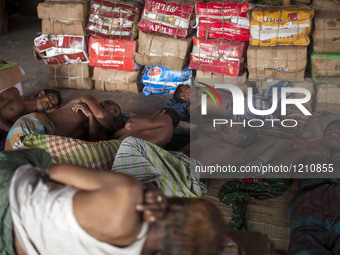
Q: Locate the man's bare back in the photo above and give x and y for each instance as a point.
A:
(157, 129)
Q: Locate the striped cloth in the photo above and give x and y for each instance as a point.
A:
(150, 163)
(28, 124)
(73, 151)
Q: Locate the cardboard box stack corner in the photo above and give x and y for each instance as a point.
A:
(220, 45)
(112, 26)
(325, 58)
(11, 75)
(164, 45)
(287, 31)
(63, 43)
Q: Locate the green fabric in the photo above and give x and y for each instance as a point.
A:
(236, 194)
(66, 150)
(9, 161)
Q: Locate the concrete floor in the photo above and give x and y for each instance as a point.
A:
(17, 46)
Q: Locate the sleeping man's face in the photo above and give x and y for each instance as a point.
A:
(332, 137)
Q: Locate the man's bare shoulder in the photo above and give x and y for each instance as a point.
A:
(10, 93)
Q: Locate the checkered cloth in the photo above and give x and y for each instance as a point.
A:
(150, 163)
(73, 151)
(28, 124)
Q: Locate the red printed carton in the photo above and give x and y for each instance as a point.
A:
(112, 54)
(227, 20)
(170, 18)
(61, 49)
(218, 56)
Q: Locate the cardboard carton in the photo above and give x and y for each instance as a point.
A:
(114, 19)
(271, 26)
(163, 51)
(62, 11)
(326, 5)
(112, 54)
(10, 75)
(60, 49)
(168, 17)
(52, 27)
(325, 65)
(76, 76)
(326, 35)
(115, 76)
(218, 56)
(227, 20)
(127, 87)
(327, 99)
(277, 62)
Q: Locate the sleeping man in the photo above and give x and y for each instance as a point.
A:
(13, 106)
(157, 129)
(82, 118)
(74, 210)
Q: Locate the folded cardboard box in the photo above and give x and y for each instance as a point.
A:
(108, 86)
(53, 27)
(271, 26)
(218, 56)
(326, 35)
(10, 74)
(328, 99)
(277, 62)
(168, 17)
(61, 49)
(325, 65)
(115, 76)
(114, 19)
(227, 20)
(75, 76)
(159, 50)
(63, 11)
(326, 5)
(112, 54)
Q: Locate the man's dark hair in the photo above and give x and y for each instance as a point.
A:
(173, 115)
(251, 138)
(334, 122)
(197, 228)
(113, 103)
(53, 91)
(178, 93)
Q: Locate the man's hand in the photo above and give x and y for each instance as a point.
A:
(155, 205)
(82, 107)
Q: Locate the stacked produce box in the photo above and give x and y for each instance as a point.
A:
(164, 45)
(326, 55)
(63, 44)
(219, 51)
(287, 31)
(112, 46)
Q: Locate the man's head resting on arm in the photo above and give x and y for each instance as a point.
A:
(191, 226)
(331, 137)
(112, 107)
(182, 94)
(173, 115)
(47, 100)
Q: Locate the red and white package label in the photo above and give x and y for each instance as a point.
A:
(222, 10)
(170, 18)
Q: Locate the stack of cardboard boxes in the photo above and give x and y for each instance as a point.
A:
(325, 58)
(63, 43)
(219, 52)
(112, 47)
(164, 45)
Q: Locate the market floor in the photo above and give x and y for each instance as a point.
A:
(17, 46)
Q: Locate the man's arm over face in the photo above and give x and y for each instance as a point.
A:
(6, 97)
(102, 116)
